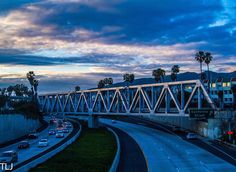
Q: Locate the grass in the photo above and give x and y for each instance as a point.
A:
(93, 151)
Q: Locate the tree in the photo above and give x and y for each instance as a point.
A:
(101, 84)
(129, 78)
(77, 88)
(174, 72)
(34, 84)
(208, 59)
(203, 76)
(3, 100)
(158, 74)
(10, 89)
(108, 81)
(200, 57)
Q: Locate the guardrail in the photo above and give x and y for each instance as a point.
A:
(48, 155)
(116, 160)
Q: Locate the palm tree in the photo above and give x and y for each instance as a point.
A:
(31, 76)
(77, 88)
(158, 74)
(34, 84)
(200, 57)
(174, 72)
(208, 59)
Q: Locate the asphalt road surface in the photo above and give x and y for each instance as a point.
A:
(164, 151)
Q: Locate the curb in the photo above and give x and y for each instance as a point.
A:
(116, 160)
(223, 142)
(48, 155)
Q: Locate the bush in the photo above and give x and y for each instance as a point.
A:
(29, 109)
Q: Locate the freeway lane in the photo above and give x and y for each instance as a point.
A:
(131, 156)
(166, 152)
(224, 152)
(26, 155)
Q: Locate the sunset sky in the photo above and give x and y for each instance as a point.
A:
(78, 42)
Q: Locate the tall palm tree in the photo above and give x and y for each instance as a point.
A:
(208, 59)
(200, 57)
(31, 76)
(158, 74)
(174, 72)
(34, 84)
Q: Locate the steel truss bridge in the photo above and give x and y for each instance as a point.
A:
(159, 98)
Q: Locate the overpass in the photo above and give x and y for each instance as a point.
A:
(168, 98)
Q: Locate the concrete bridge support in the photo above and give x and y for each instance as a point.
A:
(93, 121)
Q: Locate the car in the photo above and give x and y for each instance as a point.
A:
(43, 143)
(33, 136)
(23, 145)
(60, 134)
(68, 126)
(59, 124)
(191, 136)
(65, 130)
(113, 121)
(52, 132)
(176, 128)
(9, 157)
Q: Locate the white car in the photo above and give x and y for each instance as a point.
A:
(191, 136)
(43, 143)
(60, 134)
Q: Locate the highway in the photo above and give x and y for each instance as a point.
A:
(164, 151)
(26, 155)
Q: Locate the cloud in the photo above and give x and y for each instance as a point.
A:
(84, 38)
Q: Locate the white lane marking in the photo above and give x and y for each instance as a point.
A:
(200, 139)
(205, 166)
(220, 150)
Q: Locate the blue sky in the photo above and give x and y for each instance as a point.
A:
(78, 42)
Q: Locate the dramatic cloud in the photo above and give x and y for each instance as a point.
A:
(88, 40)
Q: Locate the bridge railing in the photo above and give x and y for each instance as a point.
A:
(168, 97)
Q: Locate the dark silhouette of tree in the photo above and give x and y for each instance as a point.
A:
(200, 57)
(174, 72)
(158, 74)
(108, 81)
(101, 84)
(208, 59)
(77, 88)
(33, 83)
(129, 78)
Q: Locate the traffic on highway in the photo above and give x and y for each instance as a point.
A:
(36, 143)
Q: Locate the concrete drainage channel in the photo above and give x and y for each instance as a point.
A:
(44, 156)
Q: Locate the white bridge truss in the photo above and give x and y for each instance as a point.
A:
(168, 97)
